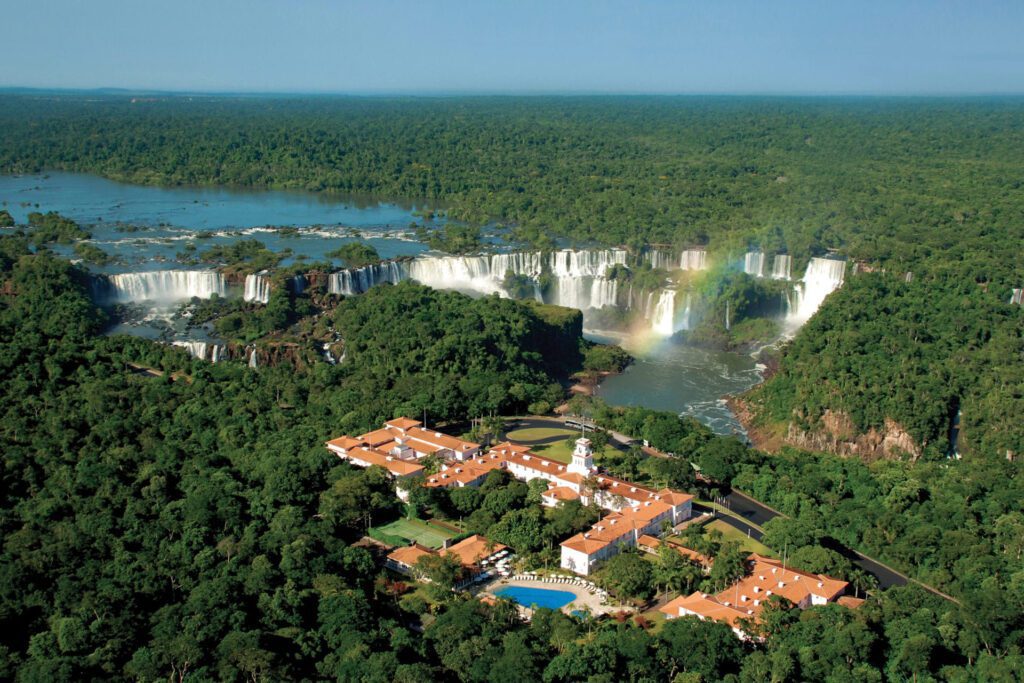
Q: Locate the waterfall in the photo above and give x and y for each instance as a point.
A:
(663, 316)
(823, 277)
(579, 278)
(359, 280)
(484, 274)
(1017, 297)
(603, 292)
(753, 263)
(782, 267)
(585, 263)
(584, 292)
(160, 285)
(569, 292)
(257, 287)
(328, 356)
(298, 284)
(660, 259)
(686, 323)
(520, 262)
(202, 350)
(694, 259)
(253, 362)
(472, 273)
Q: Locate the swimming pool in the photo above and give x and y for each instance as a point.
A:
(541, 597)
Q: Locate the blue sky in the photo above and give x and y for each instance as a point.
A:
(387, 46)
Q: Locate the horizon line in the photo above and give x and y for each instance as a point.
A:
(483, 92)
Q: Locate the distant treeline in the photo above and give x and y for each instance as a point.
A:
(893, 181)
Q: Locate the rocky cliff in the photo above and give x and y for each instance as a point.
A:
(833, 432)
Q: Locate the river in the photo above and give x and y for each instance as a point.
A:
(682, 379)
(665, 376)
(167, 218)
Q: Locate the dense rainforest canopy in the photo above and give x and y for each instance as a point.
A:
(191, 525)
(888, 181)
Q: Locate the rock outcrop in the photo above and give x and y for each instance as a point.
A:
(836, 433)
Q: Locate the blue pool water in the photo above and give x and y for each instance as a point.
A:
(541, 597)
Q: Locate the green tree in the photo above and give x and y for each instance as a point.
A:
(629, 575)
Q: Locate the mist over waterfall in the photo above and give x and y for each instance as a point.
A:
(159, 285)
(823, 277)
(257, 287)
(473, 273)
(663, 315)
(782, 267)
(584, 292)
(203, 350)
(686, 321)
(753, 263)
(693, 259)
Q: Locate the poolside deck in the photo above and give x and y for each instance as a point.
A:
(583, 600)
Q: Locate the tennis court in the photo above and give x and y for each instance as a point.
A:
(419, 531)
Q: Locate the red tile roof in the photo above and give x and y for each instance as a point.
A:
(408, 555)
(473, 549)
(769, 576)
(561, 493)
(403, 423)
(708, 607)
(394, 465)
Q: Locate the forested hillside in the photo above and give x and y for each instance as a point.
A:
(912, 353)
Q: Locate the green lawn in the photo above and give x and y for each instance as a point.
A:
(657, 619)
(733, 534)
(525, 436)
(562, 451)
(419, 531)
